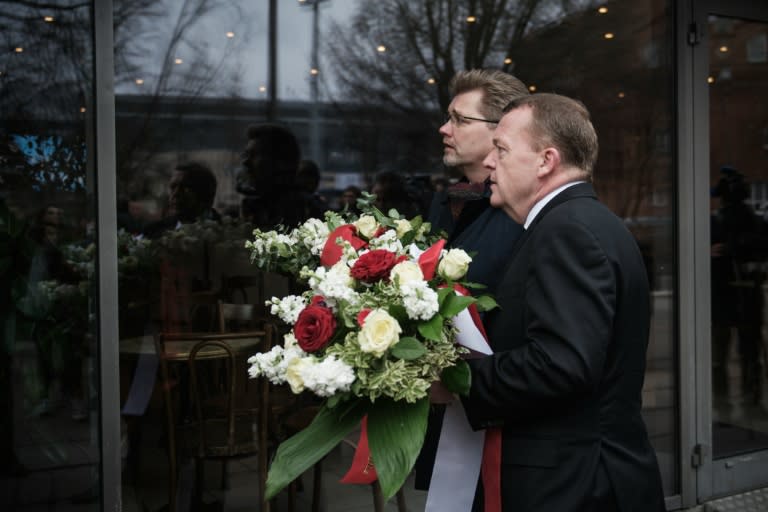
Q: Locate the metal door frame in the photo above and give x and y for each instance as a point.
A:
(702, 478)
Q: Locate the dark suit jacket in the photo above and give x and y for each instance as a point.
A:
(490, 234)
(565, 379)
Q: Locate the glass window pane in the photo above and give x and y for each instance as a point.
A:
(49, 438)
(363, 95)
(738, 236)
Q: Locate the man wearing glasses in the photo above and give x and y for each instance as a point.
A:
(463, 210)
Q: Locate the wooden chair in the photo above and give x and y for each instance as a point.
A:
(216, 426)
(231, 286)
(216, 434)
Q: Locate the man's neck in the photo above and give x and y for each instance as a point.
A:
(475, 174)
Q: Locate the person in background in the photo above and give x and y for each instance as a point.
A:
(191, 192)
(391, 191)
(348, 199)
(267, 179)
(463, 211)
(308, 181)
(569, 340)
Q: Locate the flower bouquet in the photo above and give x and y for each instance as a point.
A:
(370, 334)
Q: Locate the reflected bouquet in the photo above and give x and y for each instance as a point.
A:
(370, 334)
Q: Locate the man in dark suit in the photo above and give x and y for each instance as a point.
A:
(463, 210)
(569, 339)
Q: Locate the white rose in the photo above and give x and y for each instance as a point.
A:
(402, 226)
(454, 264)
(366, 225)
(380, 331)
(293, 373)
(405, 272)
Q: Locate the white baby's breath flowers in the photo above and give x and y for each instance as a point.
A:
(366, 225)
(334, 284)
(313, 234)
(420, 301)
(274, 364)
(379, 332)
(454, 264)
(287, 308)
(405, 272)
(387, 240)
(327, 377)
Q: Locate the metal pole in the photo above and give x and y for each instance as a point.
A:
(314, 92)
(272, 86)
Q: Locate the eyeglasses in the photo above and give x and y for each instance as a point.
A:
(457, 119)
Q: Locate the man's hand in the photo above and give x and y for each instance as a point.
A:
(439, 394)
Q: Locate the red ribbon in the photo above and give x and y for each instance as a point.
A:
(429, 258)
(332, 251)
(362, 470)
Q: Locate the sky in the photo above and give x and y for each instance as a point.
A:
(237, 35)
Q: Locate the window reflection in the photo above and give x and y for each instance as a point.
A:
(48, 436)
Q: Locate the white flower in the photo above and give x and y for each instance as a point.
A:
(274, 364)
(287, 308)
(366, 225)
(327, 377)
(454, 264)
(402, 226)
(334, 284)
(313, 234)
(420, 301)
(405, 272)
(295, 370)
(379, 332)
(389, 241)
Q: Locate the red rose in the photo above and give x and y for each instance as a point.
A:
(314, 328)
(374, 265)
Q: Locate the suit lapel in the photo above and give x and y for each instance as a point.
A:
(576, 191)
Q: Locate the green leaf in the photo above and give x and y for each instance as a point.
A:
(398, 312)
(486, 303)
(433, 329)
(473, 286)
(454, 304)
(458, 378)
(409, 348)
(395, 434)
(300, 452)
(443, 294)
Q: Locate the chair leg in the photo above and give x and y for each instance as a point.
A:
(378, 497)
(199, 481)
(317, 486)
(224, 475)
(401, 507)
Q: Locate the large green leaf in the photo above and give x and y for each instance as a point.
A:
(458, 378)
(395, 435)
(454, 304)
(300, 452)
(486, 303)
(409, 348)
(433, 329)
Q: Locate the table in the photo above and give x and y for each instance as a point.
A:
(179, 349)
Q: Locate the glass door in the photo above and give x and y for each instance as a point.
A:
(730, 41)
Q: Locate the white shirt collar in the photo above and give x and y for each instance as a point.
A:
(544, 200)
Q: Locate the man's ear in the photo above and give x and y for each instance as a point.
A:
(550, 160)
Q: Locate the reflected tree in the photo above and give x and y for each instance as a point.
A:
(402, 54)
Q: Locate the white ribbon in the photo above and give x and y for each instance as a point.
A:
(460, 449)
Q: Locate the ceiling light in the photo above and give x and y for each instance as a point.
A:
(508, 61)
(723, 49)
(430, 81)
(139, 81)
(608, 35)
(178, 61)
(48, 19)
(18, 49)
(381, 48)
(471, 19)
(532, 88)
(230, 35)
(313, 71)
(602, 10)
